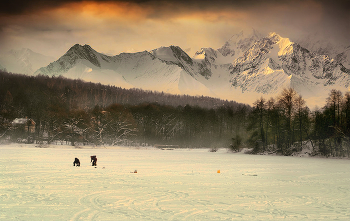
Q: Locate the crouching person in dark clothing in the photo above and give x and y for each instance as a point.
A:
(76, 162)
(94, 160)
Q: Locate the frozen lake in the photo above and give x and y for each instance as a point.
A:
(42, 184)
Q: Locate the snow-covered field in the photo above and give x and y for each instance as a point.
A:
(182, 184)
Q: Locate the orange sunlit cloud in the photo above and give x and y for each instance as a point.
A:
(107, 10)
(116, 26)
(131, 13)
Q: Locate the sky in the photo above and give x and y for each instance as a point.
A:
(112, 27)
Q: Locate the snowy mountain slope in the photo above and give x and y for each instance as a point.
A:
(243, 69)
(344, 57)
(73, 56)
(175, 55)
(274, 62)
(255, 66)
(238, 44)
(318, 44)
(141, 70)
(24, 61)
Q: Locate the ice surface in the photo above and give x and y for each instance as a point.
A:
(42, 184)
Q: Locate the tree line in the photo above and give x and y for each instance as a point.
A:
(285, 124)
(74, 111)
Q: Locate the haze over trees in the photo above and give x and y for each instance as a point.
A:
(75, 111)
(79, 113)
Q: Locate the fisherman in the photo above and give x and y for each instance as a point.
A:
(76, 162)
(93, 160)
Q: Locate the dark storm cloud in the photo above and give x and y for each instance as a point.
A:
(15, 7)
(23, 6)
(146, 24)
(335, 10)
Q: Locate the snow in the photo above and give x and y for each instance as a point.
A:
(317, 43)
(346, 58)
(266, 80)
(19, 121)
(282, 47)
(213, 56)
(86, 71)
(188, 85)
(284, 44)
(133, 70)
(235, 47)
(178, 184)
(199, 55)
(165, 54)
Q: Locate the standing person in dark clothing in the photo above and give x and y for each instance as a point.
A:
(76, 162)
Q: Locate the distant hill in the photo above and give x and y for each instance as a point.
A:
(24, 61)
(87, 94)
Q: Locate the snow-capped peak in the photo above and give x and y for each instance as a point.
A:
(83, 52)
(317, 43)
(284, 45)
(238, 44)
(164, 53)
(174, 55)
(171, 54)
(78, 47)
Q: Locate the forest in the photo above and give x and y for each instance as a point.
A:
(284, 124)
(73, 111)
(45, 109)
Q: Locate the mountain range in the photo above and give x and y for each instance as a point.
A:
(243, 69)
(24, 61)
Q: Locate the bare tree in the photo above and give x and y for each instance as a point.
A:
(260, 106)
(334, 104)
(287, 101)
(301, 111)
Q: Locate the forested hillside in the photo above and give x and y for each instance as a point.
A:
(77, 111)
